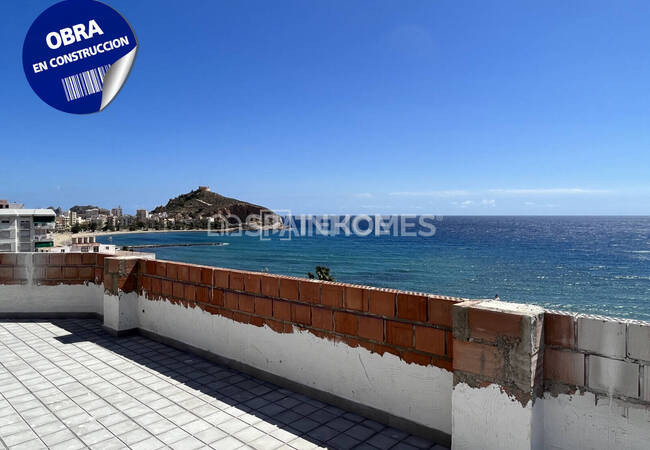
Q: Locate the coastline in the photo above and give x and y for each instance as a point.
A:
(66, 237)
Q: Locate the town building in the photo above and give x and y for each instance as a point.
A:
(83, 244)
(26, 230)
(117, 212)
(141, 215)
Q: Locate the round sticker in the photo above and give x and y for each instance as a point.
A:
(77, 55)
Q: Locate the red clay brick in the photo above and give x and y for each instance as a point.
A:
(257, 321)
(346, 323)
(52, 273)
(264, 306)
(430, 340)
(321, 318)
(57, 259)
(156, 286)
(8, 259)
(183, 272)
(479, 359)
(167, 288)
(310, 291)
(86, 273)
(270, 286)
(331, 295)
(450, 344)
(412, 307)
(276, 326)
(564, 367)
(247, 303)
(381, 302)
(371, 328)
(100, 260)
(150, 267)
(381, 349)
(289, 288)
(416, 358)
(558, 330)
(252, 283)
(146, 284)
(195, 275)
(236, 281)
(488, 325)
(73, 259)
(190, 292)
(161, 269)
(356, 298)
(241, 317)
(70, 273)
(172, 271)
(440, 311)
(89, 259)
(398, 333)
(216, 296)
(220, 278)
(207, 276)
(231, 300)
(178, 290)
(301, 314)
(281, 310)
(202, 294)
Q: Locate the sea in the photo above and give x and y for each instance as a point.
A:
(596, 265)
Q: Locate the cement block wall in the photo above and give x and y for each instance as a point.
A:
(481, 374)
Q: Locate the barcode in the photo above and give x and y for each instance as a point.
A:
(84, 83)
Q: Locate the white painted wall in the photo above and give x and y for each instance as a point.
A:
(417, 393)
(487, 418)
(51, 299)
(120, 311)
(583, 421)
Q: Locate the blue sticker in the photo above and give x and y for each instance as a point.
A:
(77, 55)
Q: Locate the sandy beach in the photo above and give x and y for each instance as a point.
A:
(65, 238)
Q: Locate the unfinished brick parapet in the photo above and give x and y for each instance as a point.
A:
(48, 269)
(415, 327)
(499, 343)
(482, 341)
(599, 354)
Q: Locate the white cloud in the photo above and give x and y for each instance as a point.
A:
(534, 191)
(549, 191)
(452, 193)
(363, 195)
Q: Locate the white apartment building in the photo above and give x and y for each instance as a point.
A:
(26, 230)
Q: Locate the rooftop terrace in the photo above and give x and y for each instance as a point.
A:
(69, 384)
(98, 350)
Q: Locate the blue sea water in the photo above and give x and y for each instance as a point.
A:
(598, 265)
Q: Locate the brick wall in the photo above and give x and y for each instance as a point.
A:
(415, 327)
(599, 354)
(47, 269)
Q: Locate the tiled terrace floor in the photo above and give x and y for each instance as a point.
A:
(68, 384)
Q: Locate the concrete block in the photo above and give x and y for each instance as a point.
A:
(604, 337)
(645, 384)
(564, 367)
(638, 341)
(613, 377)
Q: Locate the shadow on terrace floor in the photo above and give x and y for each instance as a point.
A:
(178, 399)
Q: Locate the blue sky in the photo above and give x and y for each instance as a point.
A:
(440, 107)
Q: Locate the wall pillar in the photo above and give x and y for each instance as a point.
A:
(498, 371)
(121, 275)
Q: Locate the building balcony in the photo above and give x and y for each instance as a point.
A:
(130, 352)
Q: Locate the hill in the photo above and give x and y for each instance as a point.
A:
(203, 203)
